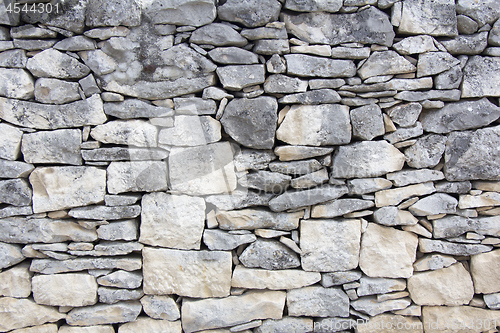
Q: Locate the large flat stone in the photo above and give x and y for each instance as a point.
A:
(53, 266)
(317, 302)
(269, 254)
(120, 312)
(148, 325)
(480, 73)
(16, 281)
(183, 12)
(58, 147)
(258, 218)
(385, 63)
(20, 313)
(56, 188)
(136, 133)
(454, 226)
(483, 12)
(174, 221)
(297, 199)
(454, 249)
(436, 18)
(53, 63)
(137, 176)
(310, 66)
(191, 131)
(449, 319)
(73, 289)
(250, 278)
(16, 83)
(484, 271)
(198, 274)
(262, 12)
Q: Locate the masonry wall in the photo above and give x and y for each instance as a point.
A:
(250, 166)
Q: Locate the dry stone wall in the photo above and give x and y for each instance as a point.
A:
(250, 166)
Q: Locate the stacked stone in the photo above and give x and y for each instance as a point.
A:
(261, 165)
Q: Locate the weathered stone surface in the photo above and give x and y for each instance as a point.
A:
(187, 273)
(464, 155)
(43, 230)
(174, 221)
(450, 79)
(233, 310)
(261, 11)
(429, 18)
(39, 116)
(305, 65)
(144, 325)
(250, 219)
(121, 230)
(269, 254)
(217, 34)
(266, 181)
(460, 116)
(184, 12)
(13, 58)
(249, 278)
(239, 199)
(483, 200)
(58, 147)
(54, 91)
(320, 96)
(404, 133)
(426, 152)
(314, 6)
(433, 262)
(16, 192)
(52, 266)
(121, 312)
(287, 324)
(366, 159)
(373, 286)
(367, 185)
(372, 307)
(453, 187)
(56, 188)
(483, 12)
(160, 307)
(134, 108)
(492, 301)
(317, 302)
(367, 122)
(450, 286)
(121, 279)
(394, 196)
(131, 132)
(291, 153)
(387, 252)
(316, 125)
(281, 84)
(458, 316)
(123, 154)
(339, 278)
(16, 83)
(53, 63)
(407, 177)
(479, 75)
(484, 271)
(76, 43)
(105, 212)
(439, 203)
(471, 44)
(415, 44)
(392, 216)
(65, 289)
(137, 176)
(19, 313)
(330, 245)
(46, 328)
(293, 200)
(16, 281)
(430, 245)
(239, 77)
(103, 13)
(385, 63)
(409, 324)
(99, 62)
(210, 171)
(233, 55)
(113, 295)
(191, 131)
(421, 96)
(9, 211)
(318, 28)
(432, 63)
(340, 207)
(218, 240)
(10, 254)
(251, 122)
(296, 168)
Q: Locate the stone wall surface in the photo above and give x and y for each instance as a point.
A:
(249, 166)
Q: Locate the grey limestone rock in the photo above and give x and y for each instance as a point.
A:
(274, 182)
(124, 154)
(426, 152)
(233, 55)
(16, 83)
(454, 226)
(436, 18)
(455, 249)
(483, 12)
(160, 307)
(137, 133)
(251, 14)
(301, 167)
(372, 307)
(480, 73)
(405, 115)
(191, 131)
(340, 207)
(218, 240)
(367, 122)
(432, 63)
(184, 12)
(58, 147)
(239, 77)
(439, 203)
(373, 286)
(269, 254)
(306, 65)
(114, 295)
(217, 34)
(194, 105)
(72, 17)
(407, 177)
(120, 230)
(339, 278)
(76, 43)
(15, 169)
(110, 13)
(54, 91)
(134, 108)
(320, 96)
(16, 192)
(105, 212)
(385, 63)
(282, 84)
(104, 314)
(53, 63)
(317, 301)
(469, 44)
(137, 176)
(53, 266)
(415, 44)
(10, 255)
(297, 199)
(314, 6)
(258, 218)
(449, 79)
(13, 58)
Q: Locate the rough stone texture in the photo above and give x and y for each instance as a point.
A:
(58, 147)
(367, 122)
(479, 73)
(269, 254)
(294, 200)
(191, 131)
(65, 290)
(250, 219)
(216, 313)
(460, 316)
(161, 307)
(380, 257)
(330, 245)
(131, 132)
(239, 77)
(54, 91)
(53, 63)
(11, 254)
(249, 278)
(426, 152)
(16, 282)
(104, 314)
(136, 176)
(434, 18)
(16, 83)
(484, 271)
(305, 65)
(251, 14)
(144, 324)
(16, 192)
(223, 241)
(11, 138)
(317, 302)
(409, 324)
(199, 274)
(19, 313)
(385, 63)
(483, 12)
(372, 307)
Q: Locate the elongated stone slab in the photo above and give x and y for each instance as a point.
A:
(19, 313)
(52, 266)
(121, 312)
(250, 219)
(250, 278)
(292, 200)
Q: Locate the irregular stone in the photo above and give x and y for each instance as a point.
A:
(293, 200)
(301, 125)
(251, 122)
(321, 96)
(65, 289)
(43, 230)
(266, 181)
(233, 55)
(187, 273)
(483, 12)
(269, 254)
(366, 159)
(367, 185)
(123, 154)
(239, 77)
(426, 18)
(492, 301)
(53, 266)
(130, 132)
(314, 6)
(494, 34)
(113, 295)
(13, 58)
(58, 147)
(262, 12)
(429, 245)
(46, 328)
(483, 200)
(114, 248)
(174, 221)
(367, 122)
(282, 84)
(191, 131)
(271, 46)
(392, 216)
(211, 170)
(385, 63)
(54, 91)
(407, 177)
(310, 180)
(76, 43)
(379, 243)
(460, 116)
(217, 34)
(233, 310)
(10, 254)
(274, 280)
(438, 203)
(340, 207)
(160, 307)
(370, 306)
(450, 79)
(394, 196)
(20, 313)
(450, 286)
(105, 212)
(479, 75)
(120, 312)
(470, 44)
(432, 63)
(239, 199)
(250, 219)
(325, 83)
(246, 159)
(426, 152)
(40, 116)
(144, 324)
(321, 50)
(405, 115)
(433, 262)
(460, 316)
(373, 286)
(16, 281)
(194, 106)
(317, 302)
(16, 83)
(291, 153)
(339, 278)
(102, 13)
(404, 133)
(453, 187)
(465, 151)
(137, 176)
(301, 167)
(99, 62)
(53, 63)
(330, 245)
(16, 192)
(373, 325)
(265, 33)
(220, 240)
(287, 324)
(56, 188)
(350, 52)
(185, 12)
(484, 271)
(305, 65)
(121, 230)
(466, 25)
(418, 96)
(415, 44)
(316, 28)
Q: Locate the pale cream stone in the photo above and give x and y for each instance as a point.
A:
(73, 289)
(394, 196)
(483, 200)
(87, 329)
(485, 271)
(20, 313)
(250, 278)
(16, 281)
(47, 328)
(148, 325)
(251, 218)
